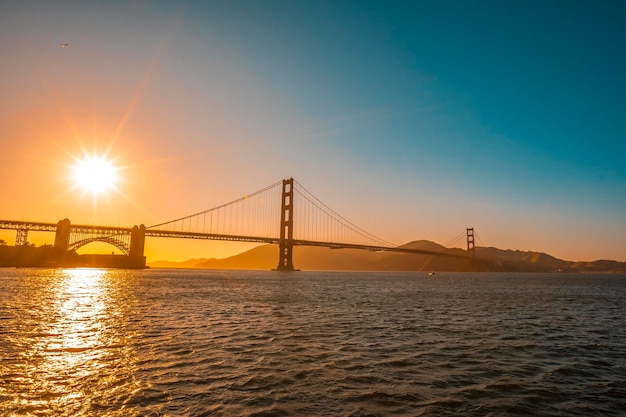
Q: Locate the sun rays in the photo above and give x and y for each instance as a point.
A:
(95, 174)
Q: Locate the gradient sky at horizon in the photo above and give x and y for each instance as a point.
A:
(412, 119)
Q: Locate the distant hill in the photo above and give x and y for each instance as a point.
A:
(191, 263)
(265, 257)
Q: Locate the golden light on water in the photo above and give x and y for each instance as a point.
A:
(80, 310)
(77, 351)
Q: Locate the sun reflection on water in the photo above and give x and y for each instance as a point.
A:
(81, 307)
(75, 346)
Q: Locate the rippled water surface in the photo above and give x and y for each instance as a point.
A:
(89, 342)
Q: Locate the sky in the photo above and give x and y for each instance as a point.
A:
(412, 119)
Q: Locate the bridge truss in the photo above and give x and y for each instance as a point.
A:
(79, 235)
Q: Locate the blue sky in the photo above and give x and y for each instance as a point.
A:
(412, 119)
(526, 98)
(539, 88)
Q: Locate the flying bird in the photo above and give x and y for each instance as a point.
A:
(65, 45)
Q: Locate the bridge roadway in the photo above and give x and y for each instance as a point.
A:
(296, 242)
(84, 229)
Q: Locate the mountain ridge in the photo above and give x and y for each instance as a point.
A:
(265, 257)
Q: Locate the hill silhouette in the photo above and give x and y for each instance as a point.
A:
(265, 257)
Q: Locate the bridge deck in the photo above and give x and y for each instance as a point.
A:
(51, 227)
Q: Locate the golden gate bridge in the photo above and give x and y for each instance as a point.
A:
(285, 214)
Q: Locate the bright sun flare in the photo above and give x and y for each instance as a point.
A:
(95, 174)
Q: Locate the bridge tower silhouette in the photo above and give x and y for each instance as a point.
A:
(471, 251)
(285, 261)
(62, 235)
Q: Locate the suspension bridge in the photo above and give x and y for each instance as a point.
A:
(284, 214)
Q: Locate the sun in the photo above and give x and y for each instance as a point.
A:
(95, 174)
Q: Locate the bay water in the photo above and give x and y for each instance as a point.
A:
(96, 342)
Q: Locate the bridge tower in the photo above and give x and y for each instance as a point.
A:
(62, 235)
(137, 240)
(470, 242)
(21, 238)
(285, 257)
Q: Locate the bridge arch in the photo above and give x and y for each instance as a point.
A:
(122, 245)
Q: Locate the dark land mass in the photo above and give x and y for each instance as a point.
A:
(265, 257)
(50, 257)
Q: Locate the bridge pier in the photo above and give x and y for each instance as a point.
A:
(137, 244)
(285, 256)
(62, 235)
(137, 240)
